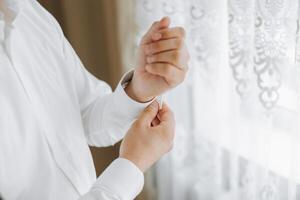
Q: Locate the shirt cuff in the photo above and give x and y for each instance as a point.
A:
(123, 102)
(121, 178)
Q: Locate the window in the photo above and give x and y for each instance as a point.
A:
(238, 111)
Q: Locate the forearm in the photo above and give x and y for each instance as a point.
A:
(108, 118)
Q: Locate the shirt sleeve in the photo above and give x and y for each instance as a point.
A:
(106, 115)
(122, 180)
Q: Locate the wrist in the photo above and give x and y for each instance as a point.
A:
(135, 161)
(135, 95)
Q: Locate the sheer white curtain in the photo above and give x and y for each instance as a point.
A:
(238, 121)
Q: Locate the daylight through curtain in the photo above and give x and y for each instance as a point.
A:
(238, 111)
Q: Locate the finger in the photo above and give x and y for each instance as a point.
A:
(165, 22)
(173, 32)
(155, 122)
(153, 33)
(167, 123)
(175, 57)
(165, 115)
(164, 45)
(149, 114)
(172, 75)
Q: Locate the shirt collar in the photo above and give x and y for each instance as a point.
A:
(10, 10)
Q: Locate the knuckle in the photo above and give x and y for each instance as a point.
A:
(181, 31)
(179, 43)
(168, 70)
(176, 56)
(152, 108)
(149, 109)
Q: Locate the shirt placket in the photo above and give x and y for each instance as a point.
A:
(6, 31)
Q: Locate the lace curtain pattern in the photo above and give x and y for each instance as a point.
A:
(238, 111)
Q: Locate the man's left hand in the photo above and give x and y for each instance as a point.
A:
(162, 62)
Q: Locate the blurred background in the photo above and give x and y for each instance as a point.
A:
(237, 113)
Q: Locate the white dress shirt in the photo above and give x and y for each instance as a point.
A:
(51, 109)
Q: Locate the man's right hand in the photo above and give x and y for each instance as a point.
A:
(150, 137)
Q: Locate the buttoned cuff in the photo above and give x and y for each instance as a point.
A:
(124, 103)
(121, 178)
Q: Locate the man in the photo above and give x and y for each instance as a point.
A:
(51, 109)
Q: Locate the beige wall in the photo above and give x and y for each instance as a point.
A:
(91, 27)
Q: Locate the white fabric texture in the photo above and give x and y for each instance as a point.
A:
(238, 111)
(51, 108)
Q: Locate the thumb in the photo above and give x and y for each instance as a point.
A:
(149, 114)
(166, 116)
(152, 33)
